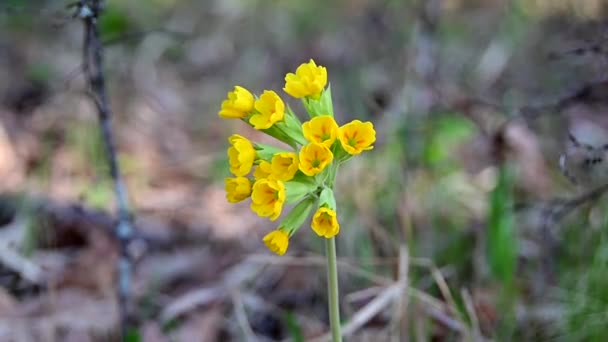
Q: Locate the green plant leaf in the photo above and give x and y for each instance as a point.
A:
(501, 238)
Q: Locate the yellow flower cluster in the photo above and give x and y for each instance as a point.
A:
(303, 176)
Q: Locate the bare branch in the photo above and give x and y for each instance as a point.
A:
(89, 11)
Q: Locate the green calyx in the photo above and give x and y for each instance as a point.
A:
(327, 198)
(266, 152)
(299, 187)
(321, 106)
(296, 217)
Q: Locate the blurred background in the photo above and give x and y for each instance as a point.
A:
(459, 225)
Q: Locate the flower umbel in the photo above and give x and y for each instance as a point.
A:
(277, 241)
(284, 166)
(325, 223)
(267, 198)
(271, 109)
(321, 129)
(357, 136)
(241, 155)
(302, 172)
(237, 189)
(237, 105)
(314, 157)
(309, 80)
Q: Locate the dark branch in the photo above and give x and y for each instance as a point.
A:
(89, 12)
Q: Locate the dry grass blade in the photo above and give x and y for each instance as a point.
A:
(468, 304)
(11, 258)
(241, 316)
(367, 312)
(447, 295)
(436, 309)
(231, 280)
(191, 300)
(18, 263)
(343, 266)
(400, 319)
(364, 294)
(443, 287)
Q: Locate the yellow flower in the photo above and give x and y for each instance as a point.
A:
(238, 104)
(314, 157)
(321, 129)
(325, 223)
(309, 80)
(237, 189)
(284, 165)
(270, 109)
(277, 241)
(267, 198)
(241, 155)
(263, 170)
(357, 136)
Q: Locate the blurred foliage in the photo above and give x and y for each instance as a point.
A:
(133, 335)
(446, 133)
(40, 73)
(115, 23)
(295, 332)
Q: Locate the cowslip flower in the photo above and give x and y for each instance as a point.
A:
(325, 223)
(263, 170)
(277, 241)
(314, 157)
(271, 109)
(309, 80)
(284, 166)
(321, 129)
(267, 198)
(241, 155)
(237, 189)
(237, 105)
(357, 136)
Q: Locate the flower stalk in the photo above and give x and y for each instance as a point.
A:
(332, 289)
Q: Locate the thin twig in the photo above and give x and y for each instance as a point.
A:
(89, 11)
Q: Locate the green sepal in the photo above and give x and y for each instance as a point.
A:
(291, 119)
(291, 126)
(321, 106)
(279, 135)
(302, 178)
(327, 199)
(340, 155)
(299, 187)
(266, 152)
(321, 177)
(296, 217)
(293, 131)
(288, 131)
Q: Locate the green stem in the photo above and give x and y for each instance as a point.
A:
(332, 176)
(332, 282)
